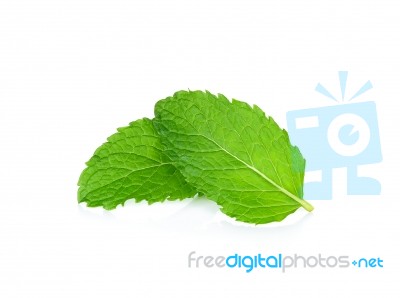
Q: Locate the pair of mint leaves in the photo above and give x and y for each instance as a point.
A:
(200, 143)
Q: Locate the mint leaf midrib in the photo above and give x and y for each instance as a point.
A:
(302, 202)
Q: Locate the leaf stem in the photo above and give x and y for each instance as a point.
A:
(306, 205)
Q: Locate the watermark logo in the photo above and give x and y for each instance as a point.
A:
(342, 135)
(280, 262)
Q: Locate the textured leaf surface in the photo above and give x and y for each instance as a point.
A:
(233, 154)
(132, 164)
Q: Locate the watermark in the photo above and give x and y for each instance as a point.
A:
(342, 135)
(280, 262)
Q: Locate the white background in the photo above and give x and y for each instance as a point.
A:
(71, 72)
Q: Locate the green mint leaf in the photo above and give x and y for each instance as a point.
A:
(132, 164)
(233, 154)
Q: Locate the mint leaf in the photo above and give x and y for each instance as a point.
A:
(132, 164)
(233, 154)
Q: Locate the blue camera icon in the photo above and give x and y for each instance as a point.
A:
(344, 135)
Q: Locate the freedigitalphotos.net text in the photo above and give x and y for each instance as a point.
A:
(280, 262)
